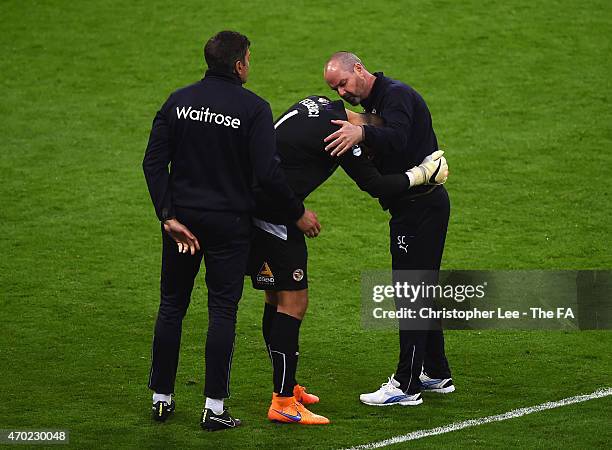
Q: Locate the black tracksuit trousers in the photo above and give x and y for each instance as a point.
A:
(224, 241)
(417, 234)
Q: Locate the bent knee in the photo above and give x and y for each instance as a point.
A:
(293, 303)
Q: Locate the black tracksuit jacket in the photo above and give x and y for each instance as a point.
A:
(218, 140)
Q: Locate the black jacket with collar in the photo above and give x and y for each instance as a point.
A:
(407, 136)
(209, 143)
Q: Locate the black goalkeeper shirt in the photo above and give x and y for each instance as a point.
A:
(299, 138)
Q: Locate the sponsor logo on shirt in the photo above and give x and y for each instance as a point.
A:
(206, 116)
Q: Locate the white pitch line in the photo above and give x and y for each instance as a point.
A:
(599, 393)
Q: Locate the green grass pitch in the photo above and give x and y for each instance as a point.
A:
(520, 96)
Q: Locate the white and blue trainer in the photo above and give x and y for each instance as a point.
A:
(439, 385)
(390, 394)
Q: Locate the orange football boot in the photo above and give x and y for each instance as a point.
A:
(289, 410)
(300, 394)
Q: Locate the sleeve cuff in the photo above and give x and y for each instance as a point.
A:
(166, 213)
(297, 212)
(366, 134)
(411, 179)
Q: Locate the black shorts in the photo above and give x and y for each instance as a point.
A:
(276, 264)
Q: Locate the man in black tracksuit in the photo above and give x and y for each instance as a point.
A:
(216, 137)
(419, 218)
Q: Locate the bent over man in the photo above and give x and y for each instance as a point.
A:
(278, 261)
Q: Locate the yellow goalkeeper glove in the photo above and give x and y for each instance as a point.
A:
(433, 170)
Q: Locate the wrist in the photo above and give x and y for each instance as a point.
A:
(411, 177)
(417, 176)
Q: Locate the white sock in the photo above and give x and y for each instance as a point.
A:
(162, 398)
(215, 405)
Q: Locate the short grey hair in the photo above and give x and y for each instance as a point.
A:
(346, 60)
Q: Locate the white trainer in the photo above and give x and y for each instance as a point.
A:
(390, 394)
(439, 385)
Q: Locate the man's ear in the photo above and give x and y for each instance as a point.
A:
(358, 67)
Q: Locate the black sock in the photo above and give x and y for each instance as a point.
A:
(266, 325)
(284, 346)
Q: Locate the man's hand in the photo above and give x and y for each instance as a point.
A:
(344, 139)
(309, 224)
(182, 236)
(433, 170)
